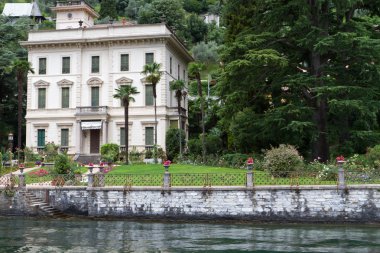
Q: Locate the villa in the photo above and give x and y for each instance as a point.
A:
(77, 68)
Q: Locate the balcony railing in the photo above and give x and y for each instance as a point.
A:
(70, 3)
(92, 110)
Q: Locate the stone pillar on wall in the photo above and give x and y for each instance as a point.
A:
(78, 137)
(104, 131)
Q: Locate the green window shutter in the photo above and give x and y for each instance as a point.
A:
(41, 137)
(65, 137)
(124, 62)
(122, 136)
(171, 65)
(178, 72)
(65, 97)
(149, 136)
(95, 64)
(65, 65)
(149, 58)
(41, 98)
(95, 96)
(42, 66)
(149, 95)
(174, 124)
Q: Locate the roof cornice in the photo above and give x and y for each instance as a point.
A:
(107, 41)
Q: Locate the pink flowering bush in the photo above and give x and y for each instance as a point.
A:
(39, 173)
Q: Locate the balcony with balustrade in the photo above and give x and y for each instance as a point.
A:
(91, 110)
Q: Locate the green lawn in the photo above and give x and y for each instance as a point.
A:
(174, 168)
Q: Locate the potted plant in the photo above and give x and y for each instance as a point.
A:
(78, 175)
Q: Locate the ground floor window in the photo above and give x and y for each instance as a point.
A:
(149, 136)
(122, 136)
(40, 137)
(64, 137)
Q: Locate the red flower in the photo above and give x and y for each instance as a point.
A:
(250, 161)
(340, 158)
(167, 163)
(91, 164)
(21, 165)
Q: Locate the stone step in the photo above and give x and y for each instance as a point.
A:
(43, 206)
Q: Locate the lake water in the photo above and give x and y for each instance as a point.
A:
(19, 234)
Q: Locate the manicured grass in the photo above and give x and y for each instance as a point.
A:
(174, 168)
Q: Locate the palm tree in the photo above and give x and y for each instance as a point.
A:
(178, 86)
(153, 76)
(195, 69)
(125, 94)
(21, 68)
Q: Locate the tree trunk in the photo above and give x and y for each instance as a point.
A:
(155, 131)
(200, 94)
(19, 110)
(126, 130)
(320, 147)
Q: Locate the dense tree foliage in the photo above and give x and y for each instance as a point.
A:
(301, 72)
(108, 9)
(10, 35)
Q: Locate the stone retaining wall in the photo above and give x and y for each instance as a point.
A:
(308, 203)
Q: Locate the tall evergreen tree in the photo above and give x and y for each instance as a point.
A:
(302, 72)
(108, 9)
(177, 86)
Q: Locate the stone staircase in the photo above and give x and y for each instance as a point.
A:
(33, 201)
(95, 159)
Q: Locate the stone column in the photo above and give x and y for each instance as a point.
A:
(90, 182)
(341, 180)
(21, 180)
(104, 131)
(166, 179)
(250, 179)
(78, 138)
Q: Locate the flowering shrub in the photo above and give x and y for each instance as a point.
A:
(340, 158)
(39, 173)
(167, 163)
(282, 160)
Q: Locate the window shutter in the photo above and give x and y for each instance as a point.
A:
(95, 64)
(65, 65)
(149, 95)
(149, 136)
(41, 98)
(41, 137)
(149, 58)
(64, 137)
(122, 136)
(42, 66)
(95, 96)
(65, 97)
(124, 62)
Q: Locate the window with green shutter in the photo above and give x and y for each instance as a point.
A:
(178, 71)
(65, 97)
(65, 65)
(149, 136)
(122, 136)
(41, 98)
(65, 137)
(41, 138)
(149, 58)
(174, 124)
(42, 66)
(94, 96)
(95, 64)
(171, 65)
(124, 62)
(149, 95)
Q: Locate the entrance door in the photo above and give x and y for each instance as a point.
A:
(94, 141)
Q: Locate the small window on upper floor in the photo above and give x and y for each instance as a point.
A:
(171, 65)
(65, 65)
(149, 58)
(178, 71)
(42, 66)
(95, 64)
(149, 99)
(124, 62)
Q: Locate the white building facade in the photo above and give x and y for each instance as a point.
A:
(77, 68)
